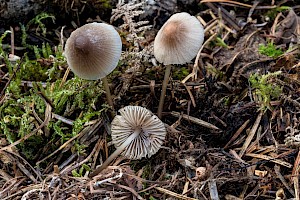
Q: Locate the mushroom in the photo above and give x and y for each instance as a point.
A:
(93, 51)
(177, 42)
(136, 133)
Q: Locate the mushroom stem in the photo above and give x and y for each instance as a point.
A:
(163, 91)
(116, 152)
(108, 94)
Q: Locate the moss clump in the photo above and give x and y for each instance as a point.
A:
(37, 82)
(264, 90)
(270, 50)
(180, 73)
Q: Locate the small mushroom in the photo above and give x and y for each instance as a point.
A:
(93, 51)
(136, 133)
(177, 42)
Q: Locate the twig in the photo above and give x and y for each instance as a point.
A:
(70, 168)
(84, 131)
(295, 174)
(179, 196)
(227, 17)
(131, 190)
(251, 134)
(194, 73)
(188, 89)
(63, 119)
(28, 193)
(213, 190)
(281, 178)
(20, 191)
(64, 77)
(271, 159)
(195, 120)
(227, 1)
(27, 163)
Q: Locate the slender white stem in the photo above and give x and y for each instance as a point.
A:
(163, 91)
(119, 150)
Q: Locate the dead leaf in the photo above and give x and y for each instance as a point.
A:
(288, 29)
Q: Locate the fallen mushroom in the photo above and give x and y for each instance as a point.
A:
(93, 51)
(136, 133)
(177, 42)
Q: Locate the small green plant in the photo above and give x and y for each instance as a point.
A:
(81, 171)
(271, 14)
(220, 42)
(38, 21)
(264, 90)
(270, 50)
(180, 73)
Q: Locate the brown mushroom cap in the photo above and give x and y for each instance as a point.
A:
(138, 120)
(93, 50)
(179, 39)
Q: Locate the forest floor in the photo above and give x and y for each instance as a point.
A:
(232, 114)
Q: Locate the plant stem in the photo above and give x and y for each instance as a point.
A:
(163, 91)
(116, 152)
(108, 94)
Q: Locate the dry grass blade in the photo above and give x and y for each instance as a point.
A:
(224, 14)
(237, 133)
(271, 159)
(195, 120)
(179, 196)
(281, 178)
(131, 190)
(83, 132)
(295, 175)
(23, 190)
(5, 176)
(188, 89)
(195, 68)
(76, 164)
(251, 134)
(30, 192)
(227, 1)
(26, 163)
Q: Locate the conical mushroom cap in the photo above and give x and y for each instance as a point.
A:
(151, 128)
(179, 39)
(93, 50)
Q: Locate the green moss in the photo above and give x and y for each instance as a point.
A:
(24, 106)
(105, 4)
(81, 171)
(38, 22)
(180, 73)
(270, 50)
(264, 90)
